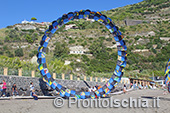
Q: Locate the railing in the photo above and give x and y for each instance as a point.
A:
(12, 72)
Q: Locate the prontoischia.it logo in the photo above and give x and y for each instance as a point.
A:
(107, 102)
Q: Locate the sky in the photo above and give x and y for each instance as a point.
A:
(15, 11)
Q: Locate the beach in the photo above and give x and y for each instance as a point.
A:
(47, 105)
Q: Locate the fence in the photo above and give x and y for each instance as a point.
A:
(20, 72)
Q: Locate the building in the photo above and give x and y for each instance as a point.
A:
(78, 50)
(140, 50)
(125, 80)
(143, 82)
(37, 23)
(70, 26)
(165, 38)
(158, 80)
(135, 22)
(25, 22)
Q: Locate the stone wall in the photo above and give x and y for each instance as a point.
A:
(23, 84)
(134, 22)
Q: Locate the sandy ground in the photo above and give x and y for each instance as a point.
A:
(47, 106)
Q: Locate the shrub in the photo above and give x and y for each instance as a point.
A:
(9, 54)
(109, 39)
(33, 53)
(29, 39)
(1, 52)
(19, 52)
(101, 38)
(71, 41)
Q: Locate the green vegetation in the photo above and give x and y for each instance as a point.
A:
(19, 52)
(101, 58)
(60, 50)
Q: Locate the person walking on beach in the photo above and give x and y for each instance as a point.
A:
(124, 88)
(4, 88)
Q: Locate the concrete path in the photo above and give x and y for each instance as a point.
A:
(47, 105)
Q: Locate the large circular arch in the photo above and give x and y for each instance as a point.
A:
(167, 75)
(121, 47)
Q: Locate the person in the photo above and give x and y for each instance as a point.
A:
(34, 95)
(4, 88)
(146, 86)
(96, 86)
(137, 85)
(14, 90)
(99, 87)
(140, 86)
(169, 87)
(164, 89)
(1, 87)
(134, 86)
(90, 89)
(31, 88)
(124, 88)
(131, 85)
(94, 89)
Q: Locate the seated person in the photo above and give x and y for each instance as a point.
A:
(169, 87)
(14, 90)
(34, 95)
(90, 89)
(1, 85)
(94, 89)
(31, 87)
(99, 87)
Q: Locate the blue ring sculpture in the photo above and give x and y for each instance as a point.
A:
(167, 75)
(121, 61)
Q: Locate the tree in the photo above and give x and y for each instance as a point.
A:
(60, 49)
(58, 66)
(33, 19)
(98, 49)
(29, 39)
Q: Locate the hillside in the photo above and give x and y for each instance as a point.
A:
(145, 25)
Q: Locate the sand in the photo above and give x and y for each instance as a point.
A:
(47, 106)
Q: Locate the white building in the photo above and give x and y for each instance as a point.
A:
(78, 50)
(70, 26)
(125, 80)
(165, 38)
(33, 22)
(158, 80)
(25, 22)
(113, 46)
(140, 50)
